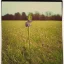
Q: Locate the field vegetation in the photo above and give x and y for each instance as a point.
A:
(45, 42)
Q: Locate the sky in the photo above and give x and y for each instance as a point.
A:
(41, 7)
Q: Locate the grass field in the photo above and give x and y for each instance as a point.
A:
(45, 42)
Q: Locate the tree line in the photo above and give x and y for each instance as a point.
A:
(36, 16)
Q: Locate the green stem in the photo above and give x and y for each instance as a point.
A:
(29, 43)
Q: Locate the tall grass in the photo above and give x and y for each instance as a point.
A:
(45, 42)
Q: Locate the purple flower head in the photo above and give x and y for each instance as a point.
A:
(27, 24)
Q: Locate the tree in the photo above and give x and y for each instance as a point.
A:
(36, 16)
(24, 16)
(17, 16)
(42, 17)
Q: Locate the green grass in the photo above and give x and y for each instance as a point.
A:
(45, 42)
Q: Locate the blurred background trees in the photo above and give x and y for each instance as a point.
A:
(36, 16)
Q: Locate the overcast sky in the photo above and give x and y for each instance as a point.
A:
(41, 7)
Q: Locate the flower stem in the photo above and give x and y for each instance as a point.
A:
(29, 44)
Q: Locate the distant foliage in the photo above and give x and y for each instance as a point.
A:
(36, 16)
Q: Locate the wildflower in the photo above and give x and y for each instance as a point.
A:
(27, 24)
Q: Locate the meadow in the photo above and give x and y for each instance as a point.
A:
(45, 42)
